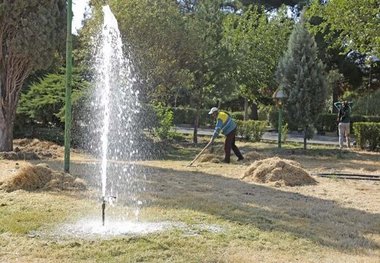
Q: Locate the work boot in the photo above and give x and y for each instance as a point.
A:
(240, 159)
(225, 161)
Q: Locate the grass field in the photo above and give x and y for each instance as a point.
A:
(214, 216)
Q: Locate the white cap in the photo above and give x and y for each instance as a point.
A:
(213, 109)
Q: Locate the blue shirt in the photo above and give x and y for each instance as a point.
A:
(224, 124)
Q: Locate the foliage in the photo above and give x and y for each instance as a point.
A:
(351, 24)
(153, 32)
(30, 33)
(33, 30)
(165, 122)
(238, 115)
(367, 135)
(45, 100)
(257, 42)
(211, 62)
(301, 75)
(326, 122)
(251, 130)
(367, 104)
(187, 116)
(284, 132)
(272, 4)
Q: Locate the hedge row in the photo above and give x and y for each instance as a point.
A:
(327, 122)
(367, 135)
(251, 130)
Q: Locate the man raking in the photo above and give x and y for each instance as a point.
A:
(227, 126)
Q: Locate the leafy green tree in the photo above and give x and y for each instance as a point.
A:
(45, 100)
(153, 34)
(350, 24)
(210, 62)
(337, 43)
(257, 42)
(301, 75)
(175, 49)
(268, 4)
(30, 33)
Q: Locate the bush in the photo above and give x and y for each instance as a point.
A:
(251, 130)
(367, 134)
(238, 115)
(165, 122)
(284, 132)
(326, 122)
(367, 104)
(44, 101)
(273, 119)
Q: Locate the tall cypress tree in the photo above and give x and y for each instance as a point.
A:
(301, 75)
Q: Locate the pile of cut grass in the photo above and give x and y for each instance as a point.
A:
(41, 177)
(280, 172)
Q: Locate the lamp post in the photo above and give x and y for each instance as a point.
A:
(278, 96)
(68, 87)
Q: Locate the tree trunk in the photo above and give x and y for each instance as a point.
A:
(254, 113)
(6, 133)
(196, 124)
(14, 70)
(245, 109)
(304, 137)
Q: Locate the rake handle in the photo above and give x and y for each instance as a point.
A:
(199, 154)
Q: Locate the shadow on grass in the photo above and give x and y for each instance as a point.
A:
(321, 221)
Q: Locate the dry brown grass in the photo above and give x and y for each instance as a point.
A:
(332, 221)
(40, 176)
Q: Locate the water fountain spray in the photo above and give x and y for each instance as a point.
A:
(115, 104)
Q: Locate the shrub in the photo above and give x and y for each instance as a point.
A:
(273, 119)
(367, 134)
(165, 121)
(326, 122)
(284, 132)
(251, 130)
(238, 115)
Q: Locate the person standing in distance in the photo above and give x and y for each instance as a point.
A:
(227, 126)
(344, 119)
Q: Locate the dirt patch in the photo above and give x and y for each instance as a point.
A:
(18, 155)
(280, 172)
(40, 177)
(40, 149)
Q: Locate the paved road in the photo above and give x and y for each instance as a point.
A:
(271, 136)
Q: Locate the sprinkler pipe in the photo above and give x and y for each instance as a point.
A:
(103, 210)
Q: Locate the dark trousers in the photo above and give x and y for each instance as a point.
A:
(230, 143)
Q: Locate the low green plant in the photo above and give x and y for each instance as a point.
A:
(165, 122)
(251, 130)
(238, 115)
(367, 135)
(284, 132)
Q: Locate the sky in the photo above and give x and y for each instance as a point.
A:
(79, 7)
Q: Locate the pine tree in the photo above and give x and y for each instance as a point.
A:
(301, 75)
(31, 32)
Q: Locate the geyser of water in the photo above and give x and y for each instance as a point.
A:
(113, 114)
